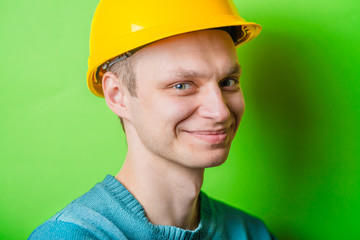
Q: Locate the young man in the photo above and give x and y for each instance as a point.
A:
(173, 79)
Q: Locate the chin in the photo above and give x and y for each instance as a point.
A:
(216, 162)
(209, 161)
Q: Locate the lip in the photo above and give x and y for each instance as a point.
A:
(210, 136)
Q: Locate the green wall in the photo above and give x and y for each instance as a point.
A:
(295, 161)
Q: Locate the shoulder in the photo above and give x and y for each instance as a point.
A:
(87, 217)
(236, 222)
(77, 222)
(60, 230)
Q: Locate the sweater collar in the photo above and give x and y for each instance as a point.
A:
(132, 205)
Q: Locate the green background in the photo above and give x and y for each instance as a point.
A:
(294, 163)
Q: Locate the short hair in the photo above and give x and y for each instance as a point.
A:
(125, 72)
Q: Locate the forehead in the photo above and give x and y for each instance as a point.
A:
(207, 51)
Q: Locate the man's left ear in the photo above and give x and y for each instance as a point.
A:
(114, 94)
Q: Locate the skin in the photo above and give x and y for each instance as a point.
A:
(186, 113)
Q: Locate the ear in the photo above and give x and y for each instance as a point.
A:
(114, 94)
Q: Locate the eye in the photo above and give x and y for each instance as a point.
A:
(229, 82)
(183, 86)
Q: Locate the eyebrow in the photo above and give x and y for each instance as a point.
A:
(235, 70)
(183, 74)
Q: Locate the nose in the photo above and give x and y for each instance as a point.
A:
(213, 105)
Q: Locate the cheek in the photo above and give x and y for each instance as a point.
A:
(177, 109)
(167, 112)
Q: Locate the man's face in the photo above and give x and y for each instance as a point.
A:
(189, 103)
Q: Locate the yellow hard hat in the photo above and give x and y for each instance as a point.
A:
(121, 26)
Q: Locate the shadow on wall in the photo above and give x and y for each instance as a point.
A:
(283, 92)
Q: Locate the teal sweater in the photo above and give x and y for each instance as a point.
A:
(110, 211)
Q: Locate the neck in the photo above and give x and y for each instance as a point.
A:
(167, 191)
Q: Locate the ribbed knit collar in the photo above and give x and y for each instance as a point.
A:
(132, 205)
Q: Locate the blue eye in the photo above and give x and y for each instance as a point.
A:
(228, 82)
(182, 86)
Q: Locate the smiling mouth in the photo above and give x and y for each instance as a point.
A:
(213, 137)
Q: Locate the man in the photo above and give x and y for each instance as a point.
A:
(173, 80)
